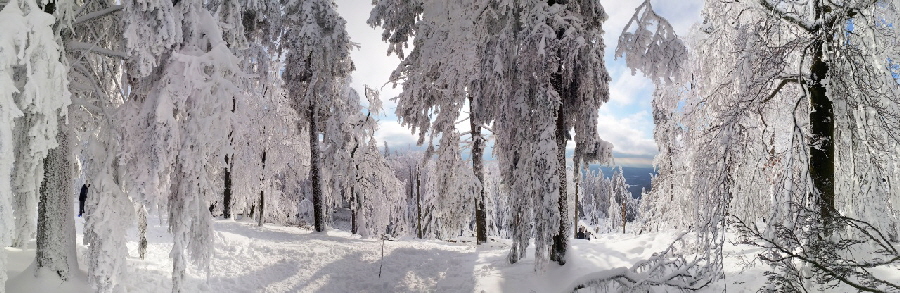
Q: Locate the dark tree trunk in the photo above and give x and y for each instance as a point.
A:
(478, 168)
(623, 214)
(576, 177)
(354, 208)
(56, 227)
(561, 239)
(821, 119)
(226, 199)
(418, 206)
(262, 197)
(318, 201)
(262, 204)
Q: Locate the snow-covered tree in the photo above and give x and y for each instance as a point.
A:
(650, 38)
(250, 29)
(496, 201)
(34, 87)
(10, 20)
(621, 204)
(261, 133)
(96, 69)
(595, 200)
(543, 75)
(316, 74)
(409, 167)
(826, 69)
(435, 76)
(183, 86)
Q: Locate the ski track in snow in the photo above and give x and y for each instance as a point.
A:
(272, 258)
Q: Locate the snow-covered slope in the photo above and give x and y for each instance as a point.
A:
(290, 259)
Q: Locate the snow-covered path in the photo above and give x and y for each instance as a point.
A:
(248, 258)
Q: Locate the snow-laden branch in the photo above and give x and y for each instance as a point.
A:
(81, 46)
(788, 16)
(97, 14)
(659, 53)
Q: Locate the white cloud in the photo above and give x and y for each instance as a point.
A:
(395, 134)
(626, 89)
(373, 65)
(630, 135)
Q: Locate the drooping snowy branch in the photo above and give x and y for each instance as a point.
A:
(650, 45)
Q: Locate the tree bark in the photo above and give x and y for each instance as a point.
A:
(262, 197)
(561, 240)
(478, 168)
(28, 173)
(354, 209)
(142, 229)
(418, 206)
(576, 178)
(318, 201)
(226, 199)
(623, 214)
(821, 119)
(56, 227)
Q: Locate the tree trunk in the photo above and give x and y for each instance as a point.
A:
(821, 119)
(623, 214)
(318, 201)
(478, 168)
(262, 197)
(25, 183)
(354, 209)
(226, 199)
(56, 227)
(576, 179)
(262, 204)
(561, 240)
(142, 230)
(418, 206)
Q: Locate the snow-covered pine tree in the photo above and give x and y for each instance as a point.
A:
(595, 201)
(11, 19)
(620, 201)
(151, 30)
(250, 28)
(95, 58)
(316, 73)
(536, 52)
(409, 167)
(40, 89)
(375, 194)
(188, 105)
(435, 76)
(496, 202)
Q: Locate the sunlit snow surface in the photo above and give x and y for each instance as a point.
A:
(290, 259)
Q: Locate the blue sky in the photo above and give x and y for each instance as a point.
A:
(626, 120)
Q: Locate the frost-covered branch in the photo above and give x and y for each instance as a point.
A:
(790, 16)
(833, 259)
(659, 53)
(97, 14)
(80, 46)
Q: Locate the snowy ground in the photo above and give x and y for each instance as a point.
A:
(289, 259)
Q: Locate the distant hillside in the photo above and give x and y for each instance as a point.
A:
(636, 177)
